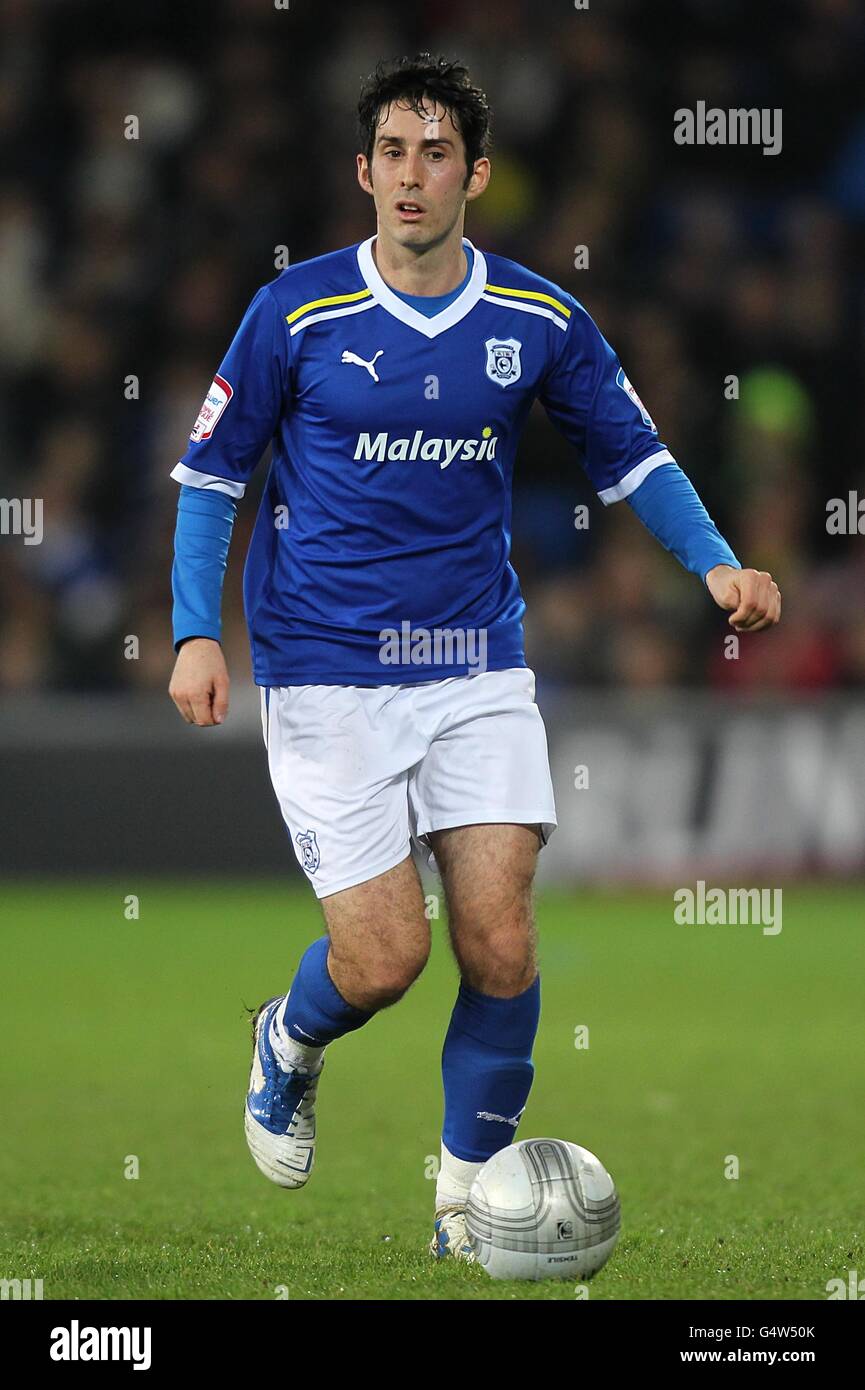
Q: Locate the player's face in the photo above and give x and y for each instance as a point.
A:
(417, 176)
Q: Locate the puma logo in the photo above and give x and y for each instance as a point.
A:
(502, 1119)
(359, 362)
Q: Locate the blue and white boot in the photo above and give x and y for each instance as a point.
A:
(450, 1240)
(279, 1114)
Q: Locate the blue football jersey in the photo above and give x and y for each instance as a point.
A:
(380, 553)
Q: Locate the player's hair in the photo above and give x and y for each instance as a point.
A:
(417, 81)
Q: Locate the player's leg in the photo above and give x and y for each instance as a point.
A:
(487, 874)
(377, 943)
(483, 800)
(487, 1070)
(379, 938)
(338, 759)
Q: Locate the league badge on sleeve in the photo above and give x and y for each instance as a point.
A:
(622, 380)
(214, 403)
(503, 360)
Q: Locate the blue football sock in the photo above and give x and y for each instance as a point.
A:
(487, 1069)
(316, 1012)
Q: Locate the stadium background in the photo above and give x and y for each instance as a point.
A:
(148, 889)
(134, 259)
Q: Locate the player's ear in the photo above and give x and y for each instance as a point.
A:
(479, 179)
(364, 173)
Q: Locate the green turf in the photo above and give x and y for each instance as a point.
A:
(130, 1038)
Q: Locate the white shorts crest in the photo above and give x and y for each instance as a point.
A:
(310, 856)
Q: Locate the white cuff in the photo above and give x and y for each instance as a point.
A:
(632, 480)
(182, 474)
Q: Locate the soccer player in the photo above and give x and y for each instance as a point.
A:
(393, 379)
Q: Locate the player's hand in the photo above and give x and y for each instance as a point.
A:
(752, 594)
(199, 684)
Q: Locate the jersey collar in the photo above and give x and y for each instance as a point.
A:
(413, 318)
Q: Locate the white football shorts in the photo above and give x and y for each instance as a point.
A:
(362, 771)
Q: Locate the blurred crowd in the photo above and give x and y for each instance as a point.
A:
(729, 281)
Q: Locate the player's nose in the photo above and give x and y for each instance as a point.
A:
(412, 172)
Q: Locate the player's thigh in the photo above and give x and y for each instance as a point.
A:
(488, 761)
(487, 872)
(379, 936)
(339, 759)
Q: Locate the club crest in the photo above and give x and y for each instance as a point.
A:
(503, 360)
(309, 855)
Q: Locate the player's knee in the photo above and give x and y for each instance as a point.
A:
(388, 979)
(500, 961)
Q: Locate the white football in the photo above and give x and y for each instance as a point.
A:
(543, 1209)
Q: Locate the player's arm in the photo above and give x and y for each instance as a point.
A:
(588, 397)
(669, 507)
(200, 684)
(237, 421)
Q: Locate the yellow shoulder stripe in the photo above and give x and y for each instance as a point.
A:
(531, 294)
(325, 303)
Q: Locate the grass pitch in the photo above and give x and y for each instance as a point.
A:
(127, 1050)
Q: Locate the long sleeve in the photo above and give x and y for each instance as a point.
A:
(205, 519)
(668, 505)
(590, 400)
(592, 403)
